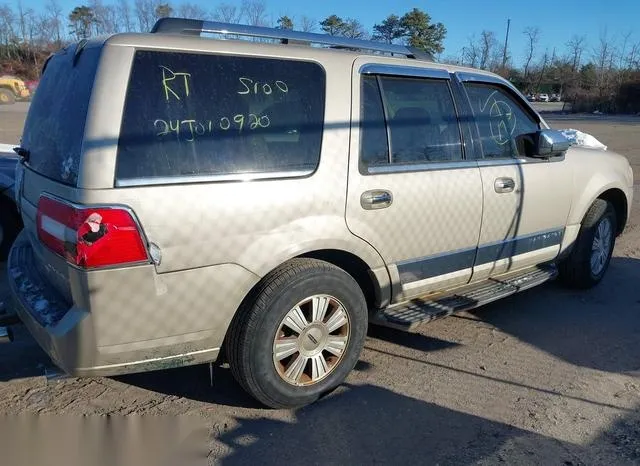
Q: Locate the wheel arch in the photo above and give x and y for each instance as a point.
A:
(620, 204)
(612, 192)
(356, 267)
(375, 284)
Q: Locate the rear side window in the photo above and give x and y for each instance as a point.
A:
(408, 121)
(199, 115)
(54, 128)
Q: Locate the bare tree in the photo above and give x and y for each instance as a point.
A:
(487, 46)
(633, 58)
(354, 29)
(227, 13)
(192, 10)
(124, 13)
(603, 58)
(55, 17)
(623, 50)
(471, 53)
(255, 11)
(533, 37)
(543, 68)
(7, 25)
(26, 21)
(104, 21)
(576, 48)
(307, 24)
(145, 14)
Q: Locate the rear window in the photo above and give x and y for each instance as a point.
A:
(54, 128)
(200, 115)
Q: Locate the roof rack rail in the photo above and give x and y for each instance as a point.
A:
(185, 26)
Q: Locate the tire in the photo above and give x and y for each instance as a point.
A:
(577, 269)
(10, 226)
(7, 97)
(251, 341)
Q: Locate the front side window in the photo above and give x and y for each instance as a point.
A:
(501, 121)
(189, 114)
(408, 121)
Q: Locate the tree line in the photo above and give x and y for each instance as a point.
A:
(52, 26)
(604, 75)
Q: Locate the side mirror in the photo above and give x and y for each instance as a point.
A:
(550, 143)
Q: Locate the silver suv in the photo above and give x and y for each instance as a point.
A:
(188, 199)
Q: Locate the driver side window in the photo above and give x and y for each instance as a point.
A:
(501, 121)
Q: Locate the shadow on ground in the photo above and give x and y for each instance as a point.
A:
(371, 425)
(597, 328)
(594, 329)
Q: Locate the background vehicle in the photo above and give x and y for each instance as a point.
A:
(10, 221)
(32, 86)
(543, 98)
(265, 203)
(12, 89)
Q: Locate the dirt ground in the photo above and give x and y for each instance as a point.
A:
(549, 377)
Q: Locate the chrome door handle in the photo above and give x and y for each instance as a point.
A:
(504, 185)
(376, 199)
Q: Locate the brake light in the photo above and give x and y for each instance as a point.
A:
(89, 237)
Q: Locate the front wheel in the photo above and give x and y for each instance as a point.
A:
(587, 264)
(7, 97)
(300, 335)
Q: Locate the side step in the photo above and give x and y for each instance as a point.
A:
(410, 315)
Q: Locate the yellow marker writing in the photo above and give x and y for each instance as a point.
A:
(167, 76)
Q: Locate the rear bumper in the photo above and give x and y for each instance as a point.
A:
(72, 336)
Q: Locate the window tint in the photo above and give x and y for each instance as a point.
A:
(196, 114)
(420, 116)
(54, 128)
(500, 119)
(374, 144)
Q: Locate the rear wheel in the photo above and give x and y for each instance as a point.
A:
(7, 97)
(587, 264)
(300, 335)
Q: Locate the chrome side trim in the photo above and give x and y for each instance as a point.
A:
(423, 268)
(415, 270)
(411, 71)
(167, 180)
(519, 245)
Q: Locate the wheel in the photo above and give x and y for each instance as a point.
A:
(589, 260)
(10, 226)
(299, 335)
(7, 97)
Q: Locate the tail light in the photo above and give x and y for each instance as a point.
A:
(90, 237)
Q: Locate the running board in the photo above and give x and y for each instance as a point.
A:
(411, 314)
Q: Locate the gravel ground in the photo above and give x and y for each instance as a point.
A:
(549, 377)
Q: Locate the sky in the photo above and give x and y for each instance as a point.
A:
(558, 20)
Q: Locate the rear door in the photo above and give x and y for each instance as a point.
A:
(526, 200)
(411, 192)
(53, 139)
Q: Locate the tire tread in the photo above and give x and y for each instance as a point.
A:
(249, 316)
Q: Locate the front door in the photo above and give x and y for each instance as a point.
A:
(526, 201)
(411, 193)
